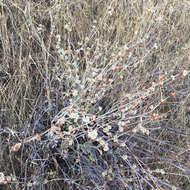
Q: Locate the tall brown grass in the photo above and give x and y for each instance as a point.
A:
(94, 94)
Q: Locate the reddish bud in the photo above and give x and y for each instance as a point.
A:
(16, 147)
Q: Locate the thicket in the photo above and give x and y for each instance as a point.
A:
(94, 94)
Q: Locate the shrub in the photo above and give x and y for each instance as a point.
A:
(94, 95)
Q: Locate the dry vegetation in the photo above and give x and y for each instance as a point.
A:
(94, 94)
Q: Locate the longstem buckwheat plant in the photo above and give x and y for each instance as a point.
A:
(107, 100)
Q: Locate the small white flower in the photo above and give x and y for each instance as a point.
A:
(123, 144)
(106, 148)
(93, 134)
(159, 19)
(120, 53)
(121, 123)
(58, 47)
(82, 86)
(126, 47)
(61, 121)
(110, 171)
(143, 129)
(160, 171)
(61, 51)
(134, 130)
(121, 129)
(75, 93)
(2, 176)
(87, 39)
(155, 46)
(100, 108)
(115, 139)
(70, 142)
(68, 27)
(174, 188)
(185, 72)
(104, 173)
(94, 74)
(74, 115)
(109, 127)
(86, 119)
(124, 157)
(101, 141)
(106, 129)
(77, 81)
(151, 107)
(93, 117)
(172, 77)
(58, 36)
(70, 128)
(99, 77)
